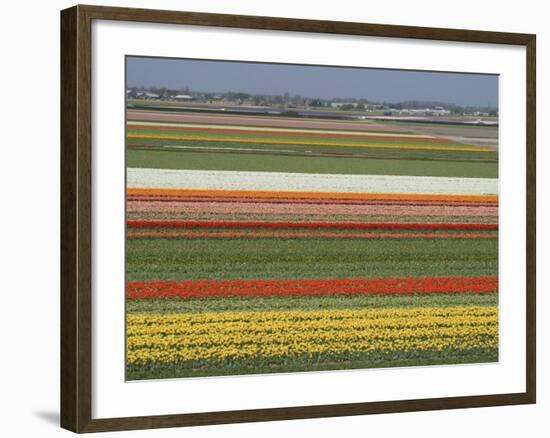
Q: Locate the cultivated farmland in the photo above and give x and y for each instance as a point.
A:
(272, 244)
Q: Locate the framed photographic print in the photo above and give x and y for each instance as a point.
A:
(268, 219)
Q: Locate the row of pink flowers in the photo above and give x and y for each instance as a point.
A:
(324, 235)
(307, 209)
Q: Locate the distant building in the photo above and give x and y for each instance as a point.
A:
(340, 104)
(440, 111)
(437, 111)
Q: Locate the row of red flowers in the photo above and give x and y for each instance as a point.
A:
(257, 288)
(311, 225)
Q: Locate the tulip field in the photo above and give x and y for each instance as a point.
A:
(267, 245)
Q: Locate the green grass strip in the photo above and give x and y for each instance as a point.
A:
(220, 259)
(167, 159)
(323, 362)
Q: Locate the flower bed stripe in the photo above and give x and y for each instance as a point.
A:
(299, 210)
(267, 127)
(306, 201)
(248, 235)
(311, 225)
(297, 218)
(327, 302)
(262, 288)
(232, 335)
(310, 196)
(309, 143)
(288, 133)
(308, 182)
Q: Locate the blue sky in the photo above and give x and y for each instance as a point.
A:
(314, 81)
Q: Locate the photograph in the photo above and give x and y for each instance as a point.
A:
(299, 218)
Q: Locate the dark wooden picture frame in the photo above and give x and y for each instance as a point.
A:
(76, 218)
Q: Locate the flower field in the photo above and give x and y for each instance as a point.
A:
(278, 247)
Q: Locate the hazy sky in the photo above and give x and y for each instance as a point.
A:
(308, 81)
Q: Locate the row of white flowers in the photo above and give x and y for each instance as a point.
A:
(307, 182)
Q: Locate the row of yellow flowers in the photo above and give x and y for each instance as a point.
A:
(186, 324)
(237, 335)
